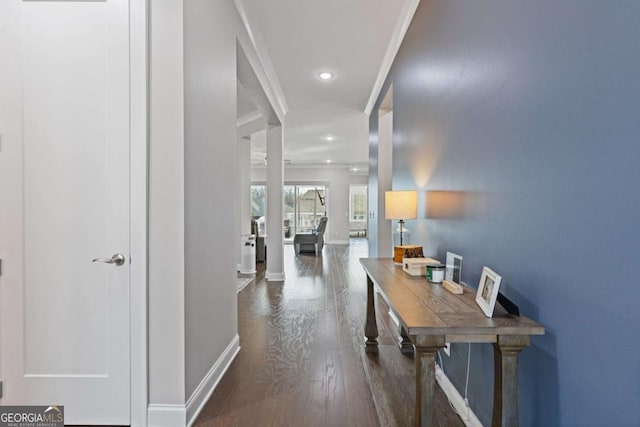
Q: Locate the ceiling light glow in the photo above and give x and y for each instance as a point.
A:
(325, 75)
(329, 138)
(328, 161)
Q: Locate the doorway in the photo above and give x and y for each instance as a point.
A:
(304, 205)
(358, 206)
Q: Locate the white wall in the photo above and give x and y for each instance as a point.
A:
(337, 179)
(210, 163)
(192, 202)
(166, 205)
(359, 179)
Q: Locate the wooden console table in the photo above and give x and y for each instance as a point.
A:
(430, 316)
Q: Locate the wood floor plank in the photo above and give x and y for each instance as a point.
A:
(302, 359)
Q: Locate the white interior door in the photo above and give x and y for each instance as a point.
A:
(64, 200)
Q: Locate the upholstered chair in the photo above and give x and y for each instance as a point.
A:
(310, 242)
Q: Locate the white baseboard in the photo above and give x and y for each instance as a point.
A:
(166, 415)
(456, 399)
(274, 277)
(159, 415)
(201, 394)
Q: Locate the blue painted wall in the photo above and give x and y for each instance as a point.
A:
(526, 116)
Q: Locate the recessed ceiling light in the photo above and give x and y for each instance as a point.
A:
(329, 138)
(328, 161)
(355, 169)
(325, 75)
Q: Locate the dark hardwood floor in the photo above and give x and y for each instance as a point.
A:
(302, 359)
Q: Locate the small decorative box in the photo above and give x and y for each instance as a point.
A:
(406, 251)
(417, 266)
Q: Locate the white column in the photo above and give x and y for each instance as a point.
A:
(242, 224)
(275, 200)
(385, 166)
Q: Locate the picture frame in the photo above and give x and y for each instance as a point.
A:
(453, 272)
(488, 290)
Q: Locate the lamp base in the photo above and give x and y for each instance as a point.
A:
(401, 235)
(406, 251)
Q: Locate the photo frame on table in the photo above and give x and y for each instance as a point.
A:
(453, 272)
(488, 290)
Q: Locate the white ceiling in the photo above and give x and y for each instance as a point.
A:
(354, 39)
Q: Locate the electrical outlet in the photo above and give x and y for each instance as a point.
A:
(447, 349)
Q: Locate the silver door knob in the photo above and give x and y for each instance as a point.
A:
(117, 259)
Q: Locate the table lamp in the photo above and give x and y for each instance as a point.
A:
(401, 205)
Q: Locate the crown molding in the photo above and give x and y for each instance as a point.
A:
(399, 31)
(266, 72)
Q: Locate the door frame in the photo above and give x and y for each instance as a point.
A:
(138, 191)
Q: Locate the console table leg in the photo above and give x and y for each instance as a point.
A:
(406, 346)
(371, 327)
(425, 356)
(505, 388)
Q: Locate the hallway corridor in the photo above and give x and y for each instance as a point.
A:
(301, 357)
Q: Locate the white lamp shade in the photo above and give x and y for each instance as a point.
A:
(401, 204)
